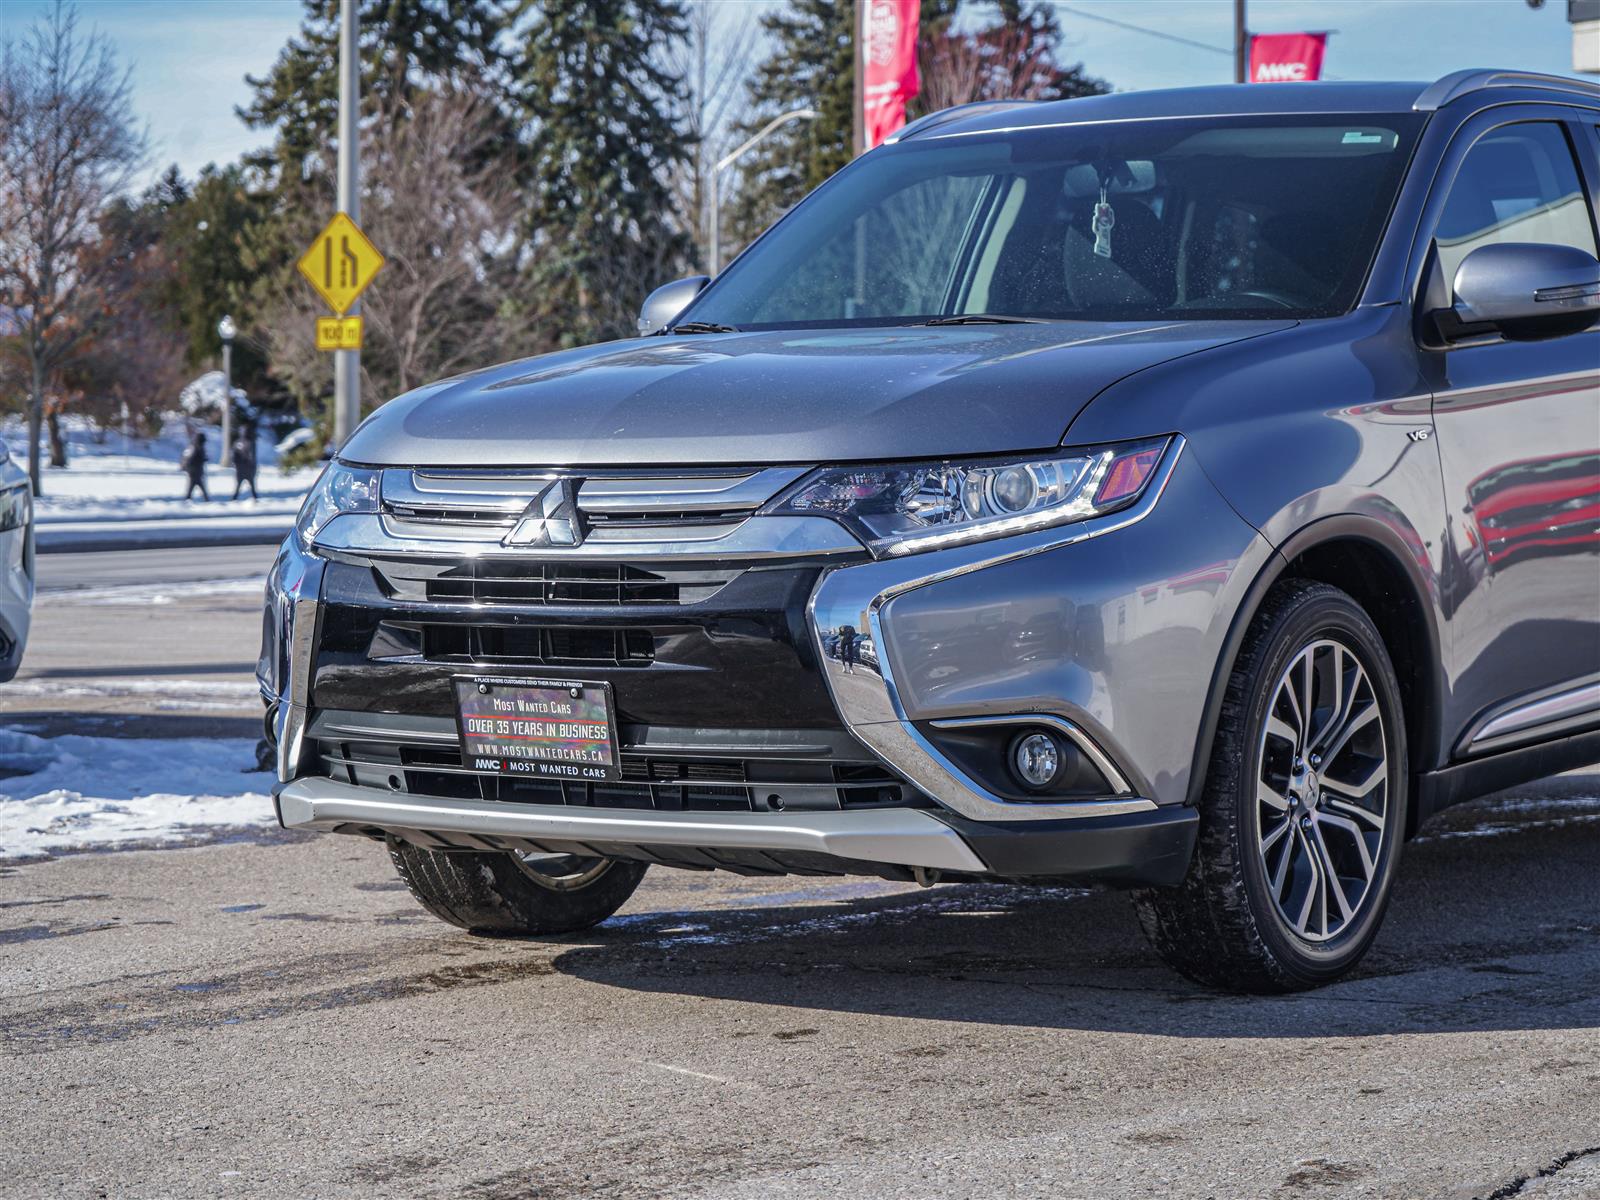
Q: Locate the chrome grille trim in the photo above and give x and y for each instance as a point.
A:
(494, 499)
(364, 536)
(685, 494)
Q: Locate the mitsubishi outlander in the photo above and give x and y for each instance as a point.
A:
(1190, 491)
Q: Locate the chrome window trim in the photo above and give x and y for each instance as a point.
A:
(867, 697)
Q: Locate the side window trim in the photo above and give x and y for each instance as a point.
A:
(1465, 137)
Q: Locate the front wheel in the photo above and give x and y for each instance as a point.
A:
(1304, 806)
(515, 893)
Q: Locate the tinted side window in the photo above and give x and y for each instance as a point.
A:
(1517, 184)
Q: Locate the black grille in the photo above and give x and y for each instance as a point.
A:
(483, 581)
(563, 646)
(648, 782)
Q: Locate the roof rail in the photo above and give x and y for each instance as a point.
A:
(945, 115)
(1458, 83)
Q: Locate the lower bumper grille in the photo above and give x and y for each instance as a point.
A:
(429, 763)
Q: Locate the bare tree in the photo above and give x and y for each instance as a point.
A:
(1014, 58)
(442, 205)
(714, 60)
(67, 145)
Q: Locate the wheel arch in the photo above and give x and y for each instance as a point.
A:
(1371, 561)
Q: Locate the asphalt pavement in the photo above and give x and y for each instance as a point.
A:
(273, 1016)
(135, 568)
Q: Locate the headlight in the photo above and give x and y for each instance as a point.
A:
(16, 506)
(340, 489)
(909, 507)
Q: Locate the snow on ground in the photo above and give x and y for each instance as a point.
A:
(110, 477)
(66, 793)
(159, 695)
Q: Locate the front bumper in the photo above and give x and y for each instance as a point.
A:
(1108, 640)
(1149, 848)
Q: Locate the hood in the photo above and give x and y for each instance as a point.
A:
(792, 396)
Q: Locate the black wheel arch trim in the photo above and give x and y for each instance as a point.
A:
(1324, 530)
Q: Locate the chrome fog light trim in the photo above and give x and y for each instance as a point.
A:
(1101, 761)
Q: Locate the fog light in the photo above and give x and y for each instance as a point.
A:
(1036, 759)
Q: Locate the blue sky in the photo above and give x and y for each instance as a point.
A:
(190, 57)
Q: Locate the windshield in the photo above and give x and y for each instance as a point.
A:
(1192, 218)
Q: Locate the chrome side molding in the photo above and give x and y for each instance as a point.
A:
(1567, 708)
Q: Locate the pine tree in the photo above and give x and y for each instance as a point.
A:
(811, 65)
(604, 114)
(405, 46)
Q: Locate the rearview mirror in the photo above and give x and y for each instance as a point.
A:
(1517, 286)
(663, 305)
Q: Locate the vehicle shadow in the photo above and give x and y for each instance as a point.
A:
(1494, 925)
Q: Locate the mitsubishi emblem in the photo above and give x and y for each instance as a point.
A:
(551, 518)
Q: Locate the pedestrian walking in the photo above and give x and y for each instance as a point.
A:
(193, 463)
(244, 461)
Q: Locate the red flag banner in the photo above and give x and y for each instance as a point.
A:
(888, 52)
(1286, 57)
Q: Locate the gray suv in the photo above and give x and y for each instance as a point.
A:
(1190, 491)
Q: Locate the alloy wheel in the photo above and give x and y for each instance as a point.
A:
(1322, 791)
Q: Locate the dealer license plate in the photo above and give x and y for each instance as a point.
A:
(542, 727)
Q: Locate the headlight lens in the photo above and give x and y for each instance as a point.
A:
(340, 489)
(905, 508)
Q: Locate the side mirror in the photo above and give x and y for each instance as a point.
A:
(1523, 286)
(667, 301)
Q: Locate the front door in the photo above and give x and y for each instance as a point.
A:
(1518, 424)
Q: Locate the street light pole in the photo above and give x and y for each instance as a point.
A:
(227, 330)
(347, 363)
(1241, 43)
(727, 160)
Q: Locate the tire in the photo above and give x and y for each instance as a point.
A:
(502, 893)
(1255, 918)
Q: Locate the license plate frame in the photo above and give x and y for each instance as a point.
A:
(519, 745)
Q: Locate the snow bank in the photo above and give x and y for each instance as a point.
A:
(70, 792)
(126, 479)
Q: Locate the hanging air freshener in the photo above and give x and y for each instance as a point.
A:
(1104, 218)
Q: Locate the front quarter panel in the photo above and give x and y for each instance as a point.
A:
(1115, 633)
(1328, 420)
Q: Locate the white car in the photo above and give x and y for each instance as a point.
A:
(16, 564)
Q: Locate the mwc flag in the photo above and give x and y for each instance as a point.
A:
(888, 49)
(1286, 57)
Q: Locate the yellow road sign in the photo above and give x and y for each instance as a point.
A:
(339, 333)
(340, 263)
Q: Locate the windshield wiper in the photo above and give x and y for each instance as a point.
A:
(702, 327)
(983, 319)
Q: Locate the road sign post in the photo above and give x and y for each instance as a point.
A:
(347, 363)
